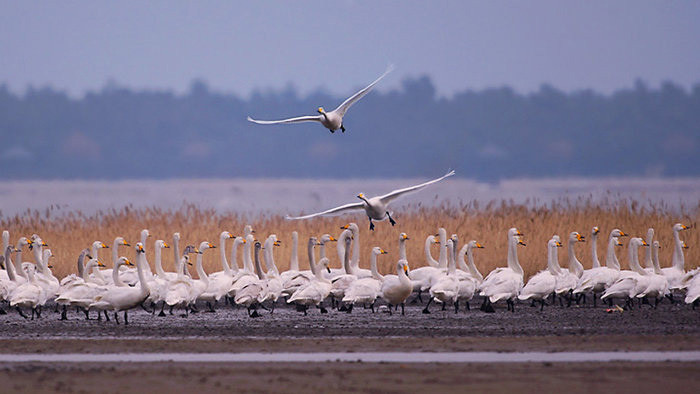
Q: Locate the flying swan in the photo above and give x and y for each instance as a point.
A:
(376, 208)
(331, 120)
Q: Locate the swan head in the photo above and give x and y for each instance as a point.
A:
(176, 237)
(618, 233)
(313, 241)
(474, 244)
(139, 248)
(520, 241)
(683, 245)
(512, 232)
(403, 237)
(576, 237)
(321, 110)
(189, 249)
(124, 261)
(226, 235)
(595, 230)
(377, 250)
(164, 244)
(361, 196)
(121, 241)
(657, 245)
(327, 238)
(402, 265)
(325, 263)
(617, 241)
(204, 246)
(680, 227)
(145, 233)
(248, 229)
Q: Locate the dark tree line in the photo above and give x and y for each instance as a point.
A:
(409, 132)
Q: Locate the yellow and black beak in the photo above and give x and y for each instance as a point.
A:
(480, 246)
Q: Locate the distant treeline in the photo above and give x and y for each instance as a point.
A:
(408, 132)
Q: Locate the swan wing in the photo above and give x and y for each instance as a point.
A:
(387, 198)
(299, 119)
(342, 108)
(332, 211)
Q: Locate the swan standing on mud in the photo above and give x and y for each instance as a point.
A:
(376, 208)
(331, 120)
(504, 283)
(542, 284)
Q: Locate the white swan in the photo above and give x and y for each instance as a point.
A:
(331, 120)
(366, 290)
(445, 287)
(340, 250)
(249, 294)
(5, 243)
(655, 284)
(199, 286)
(675, 272)
(318, 289)
(542, 284)
(505, 283)
(178, 292)
(396, 288)
(596, 280)
(376, 208)
(273, 283)
(420, 277)
(355, 261)
(341, 282)
(28, 295)
(247, 274)
(219, 282)
(568, 278)
(470, 268)
(82, 293)
(107, 273)
(123, 298)
(633, 282)
(158, 283)
(97, 275)
(648, 259)
(13, 280)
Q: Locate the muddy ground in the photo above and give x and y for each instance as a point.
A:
(670, 327)
(228, 322)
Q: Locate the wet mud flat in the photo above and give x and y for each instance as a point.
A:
(351, 377)
(232, 322)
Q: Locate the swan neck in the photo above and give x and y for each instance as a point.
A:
(513, 262)
(222, 255)
(234, 257)
(258, 267)
(294, 260)
(655, 261)
(678, 259)
(428, 256)
(159, 262)
(200, 268)
(611, 260)
(115, 273)
(574, 265)
(442, 262)
(594, 251)
(247, 261)
(19, 271)
(115, 253)
(634, 260)
(451, 266)
(356, 248)
(460, 258)
(402, 249)
(177, 264)
(140, 268)
(9, 266)
(312, 257)
(81, 266)
(347, 266)
(472, 267)
(373, 267)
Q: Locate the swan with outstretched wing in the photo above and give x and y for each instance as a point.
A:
(376, 208)
(331, 120)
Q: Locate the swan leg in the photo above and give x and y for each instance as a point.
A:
(511, 305)
(272, 307)
(19, 310)
(595, 301)
(418, 298)
(116, 317)
(323, 310)
(126, 320)
(171, 309)
(371, 225)
(389, 309)
(372, 306)
(211, 308)
(3, 311)
(87, 314)
(162, 307)
(468, 308)
(99, 316)
(106, 315)
(670, 297)
(403, 312)
(532, 303)
(342, 128)
(63, 313)
(541, 305)
(38, 312)
(348, 309)
(33, 310)
(656, 302)
(456, 306)
(391, 220)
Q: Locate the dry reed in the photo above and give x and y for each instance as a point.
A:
(68, 233)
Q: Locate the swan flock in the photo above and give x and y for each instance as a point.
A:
(257, 283)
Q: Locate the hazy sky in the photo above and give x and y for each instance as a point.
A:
(237, 47)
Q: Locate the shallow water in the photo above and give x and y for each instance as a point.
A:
(371, 357)
(294, 196)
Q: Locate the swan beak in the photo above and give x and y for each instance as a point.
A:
(211, 246)
(140, 249)
(277, 243)
(244, 241)
(231, 236)
(104, 246)
(685, 246)
(580, 238)
(684, 227)
(384, 251)
(332, 239)
(99, 264)
(622, 234)
(321, 110)
(520, 242)
(404, 236)
(518, 233)
(197, 251)
(559, 245)
(344, 227)
(126, 243)
(50, 266)
(405, 269)
(596, 230)
(44, 243)
(165, 245)
(328, 269)
(480, 246)
(644, 243)
(361, 196)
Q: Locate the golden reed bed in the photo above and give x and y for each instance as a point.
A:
(67, 234)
